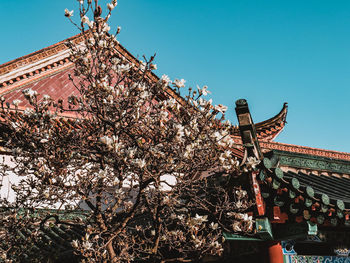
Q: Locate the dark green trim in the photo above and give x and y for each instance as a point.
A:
(231, 237)
(307, 161)
(295, 230)
(263, 228)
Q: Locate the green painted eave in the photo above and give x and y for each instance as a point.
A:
(306, 161)
(236, 237)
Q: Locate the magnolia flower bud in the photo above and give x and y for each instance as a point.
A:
(110, 6)
(75, 243)
(68, 13)
(16, 102)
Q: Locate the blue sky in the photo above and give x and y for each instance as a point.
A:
(268, 52)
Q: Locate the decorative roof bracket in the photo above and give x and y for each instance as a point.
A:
(247, 131)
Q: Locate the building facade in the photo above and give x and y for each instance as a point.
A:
(301, 194)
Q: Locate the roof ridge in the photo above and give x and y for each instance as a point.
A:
(6, 67)
(305, 150)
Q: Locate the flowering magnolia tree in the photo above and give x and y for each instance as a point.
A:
(150, 171)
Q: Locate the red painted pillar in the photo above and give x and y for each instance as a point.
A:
(275, 253)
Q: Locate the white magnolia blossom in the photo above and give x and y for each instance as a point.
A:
(204, 103)
(110, 6)
(46, 97)
(140, 163)
(252, 162)
(115, 60)
(221, 108)
(239, 204)
(91, 41)
(68, 13)
(90, 24)
(180, 83)
(223, 138)
(236, 226)
(203, 91)
(214, 226)
(241, 193)
(102, 43)
(164, 79)
(112, 143)
(124, 68)
(106, 28)
(29, 93)
(75, 243)
(142, 65)
(85, 20)
(16, 102)
(87, 245)
(198, 220)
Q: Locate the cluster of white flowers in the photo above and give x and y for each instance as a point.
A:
(16, 102)
(91, 42)
(204, 105)
(112, 143)
(140, 163)
(180, 132)
(115, 61)
(189, 151)
(29, 94)
(198, 220)
(244, 220)
(87, 245)
(46, 97)
(164, 80)
(178, 135)
(112, 5)
(171, 103)
(28, 112)
(102, 43)
(203, 91)
(251, 164)
(106, 28)
(122, 68)
(223, 139)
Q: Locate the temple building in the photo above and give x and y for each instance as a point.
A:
(301, 194)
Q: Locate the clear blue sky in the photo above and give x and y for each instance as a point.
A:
(268, 52)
